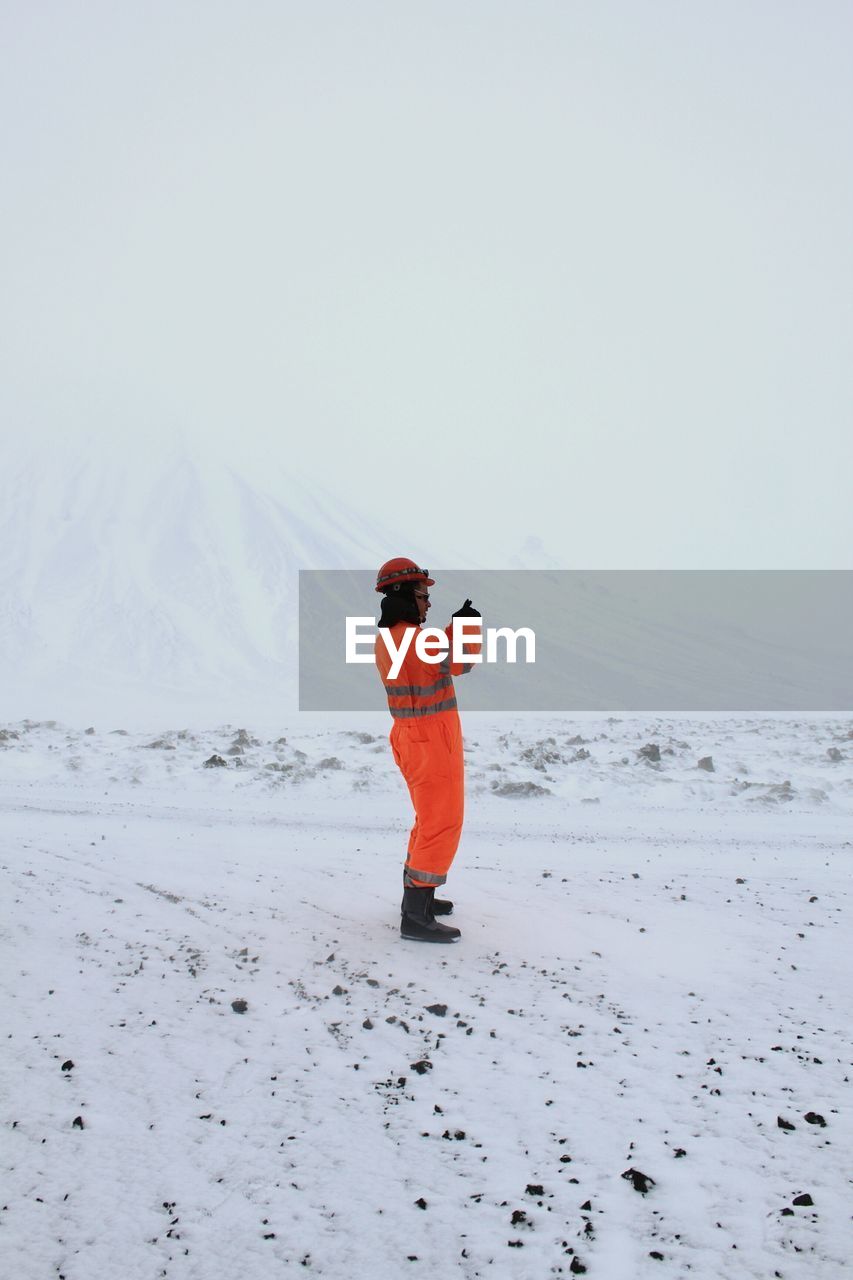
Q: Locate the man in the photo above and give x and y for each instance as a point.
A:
(426, 741)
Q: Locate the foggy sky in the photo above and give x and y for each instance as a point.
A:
(490, 269)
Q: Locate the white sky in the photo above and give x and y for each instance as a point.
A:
(575, 270)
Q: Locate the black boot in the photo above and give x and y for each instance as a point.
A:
(440, 906)
(418, 919)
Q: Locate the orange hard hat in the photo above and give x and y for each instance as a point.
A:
(398, 570)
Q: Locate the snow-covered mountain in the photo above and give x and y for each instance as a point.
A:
(150, 583)
(143, 581)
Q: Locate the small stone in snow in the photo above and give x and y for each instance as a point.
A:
(77, 1122)
(421, 1203)
(239, 1006)
(812, 1117)
(438, 1009)
(782, 1123)
(639, 1181)
(422, 1066)
(707, 764)
(804, 1200)
(337, 990)
(215, 762)
(67, 1065)
(367, 1024)
(534, 1189)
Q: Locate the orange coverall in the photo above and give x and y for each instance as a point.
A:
(426, 740)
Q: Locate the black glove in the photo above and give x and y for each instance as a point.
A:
(467, 611)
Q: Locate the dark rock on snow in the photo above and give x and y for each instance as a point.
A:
(519, 789)
(639, 1181)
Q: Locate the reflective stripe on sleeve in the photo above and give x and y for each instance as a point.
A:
(407, 713)
(419, 690)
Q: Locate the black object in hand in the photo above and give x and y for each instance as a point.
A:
(467, 611)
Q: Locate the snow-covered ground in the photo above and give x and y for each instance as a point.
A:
(220, 1059)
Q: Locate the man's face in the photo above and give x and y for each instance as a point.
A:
(422, 601)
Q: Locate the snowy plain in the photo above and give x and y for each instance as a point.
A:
(220, 1058)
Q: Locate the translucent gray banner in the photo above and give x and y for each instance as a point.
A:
(610, 640)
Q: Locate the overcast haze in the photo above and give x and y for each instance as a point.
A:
(571, 271)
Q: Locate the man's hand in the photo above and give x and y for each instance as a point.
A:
(467, 611)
